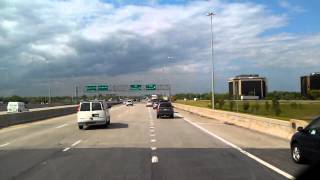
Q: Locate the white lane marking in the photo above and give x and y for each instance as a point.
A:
(150, 115)
(153, 148)
(152, 134)
(3, 145)
(153, 140)
(66, 149)
(63, 125)
(74, 144)
(152, 130)
(151, 127)
(154, 159)
(178, 115)
(279, 171)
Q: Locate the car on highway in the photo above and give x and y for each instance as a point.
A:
(129, 103)
(14, 107)
(93, 113)
(165, 109)
(149, 103)
(155, 104)
(305, 144)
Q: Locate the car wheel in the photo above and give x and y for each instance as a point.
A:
(172, 116)
(80, 127)
(109, 122)
(158, 116)
(296, 154)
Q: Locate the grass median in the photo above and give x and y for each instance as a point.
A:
(303, 110)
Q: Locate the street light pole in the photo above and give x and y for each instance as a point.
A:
(211, 14)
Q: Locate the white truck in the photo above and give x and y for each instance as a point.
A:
(14, 107)
(93, 113)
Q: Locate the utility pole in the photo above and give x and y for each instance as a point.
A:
(211, 14)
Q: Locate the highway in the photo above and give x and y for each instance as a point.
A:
(139, 146)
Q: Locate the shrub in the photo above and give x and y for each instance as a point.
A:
(246, 106)
(293, 105)
(221, 103)
(276, 106)
(231, 105)
(267, 106)
(256, 107)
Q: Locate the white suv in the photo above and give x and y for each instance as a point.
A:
(93, 113)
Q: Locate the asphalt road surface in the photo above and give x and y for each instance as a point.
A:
(139, 146)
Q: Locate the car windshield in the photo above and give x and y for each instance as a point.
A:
(159, 89)
(85, 107)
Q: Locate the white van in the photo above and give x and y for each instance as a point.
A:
(93, 113)
(13, 107)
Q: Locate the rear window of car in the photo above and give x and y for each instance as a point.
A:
(96, 106)
(85, 107)
(165, 105)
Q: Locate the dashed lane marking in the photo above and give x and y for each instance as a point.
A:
(154, 159)
(63, 125)
(3, 145)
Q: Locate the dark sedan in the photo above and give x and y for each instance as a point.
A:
(165, 109)
(305, 144)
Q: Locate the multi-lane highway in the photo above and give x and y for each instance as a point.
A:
(139, 146)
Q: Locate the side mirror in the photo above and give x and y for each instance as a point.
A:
(300, 129)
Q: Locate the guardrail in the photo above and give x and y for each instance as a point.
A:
(275, 127)
(10, 119)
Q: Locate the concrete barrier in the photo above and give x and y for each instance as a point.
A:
(10, 119)
(275, 127)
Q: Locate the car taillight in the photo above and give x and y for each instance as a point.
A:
(78, 108)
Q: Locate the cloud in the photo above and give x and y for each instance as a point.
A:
(293, 8)
(69, 42)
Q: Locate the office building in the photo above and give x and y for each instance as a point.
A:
(310, 82)
(248, 86)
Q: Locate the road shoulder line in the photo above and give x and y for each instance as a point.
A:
(264, 163)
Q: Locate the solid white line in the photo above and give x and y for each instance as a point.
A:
(63, 125)
(279, 171)
(3, 145)
(74, 144)
(66, 149)
(153, 140)
(153, 148)
(154, 159)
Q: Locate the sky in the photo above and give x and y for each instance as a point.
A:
(63, 43)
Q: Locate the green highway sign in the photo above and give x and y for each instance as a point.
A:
(103, 87)
(91, 88)
(135, 87)
(151, 87)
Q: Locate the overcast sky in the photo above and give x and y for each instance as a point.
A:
(60, 43)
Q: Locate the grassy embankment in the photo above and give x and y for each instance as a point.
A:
(298, 109)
